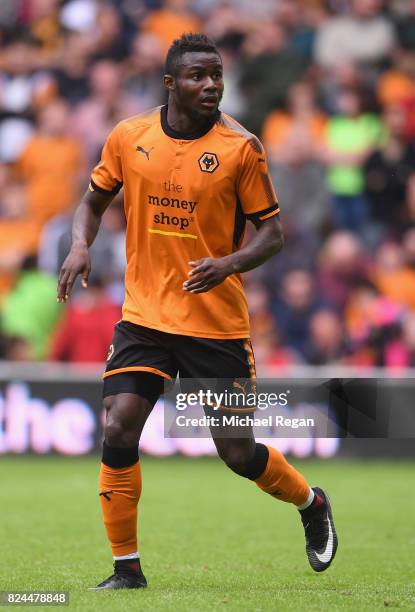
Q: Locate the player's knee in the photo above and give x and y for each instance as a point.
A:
(116, 436)
(236, 457)
(114, 433)
(120, 429)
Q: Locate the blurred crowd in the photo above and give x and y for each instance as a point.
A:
(329, 87)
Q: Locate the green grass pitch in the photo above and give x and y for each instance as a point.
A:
(210, 540)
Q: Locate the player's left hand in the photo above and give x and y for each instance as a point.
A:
(205, 274)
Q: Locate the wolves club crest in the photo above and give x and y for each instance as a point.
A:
(208, 162)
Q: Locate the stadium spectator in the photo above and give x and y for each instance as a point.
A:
(294, 309)
(363, 311)
(291, 135)
(107, 103)
(23, 88)
(387, 172)
(331, 84)
(327, 339)
(262, 321)
(408, 245)
(107, 34)
(373, 323)
(45, 29)
(364, 36)
(30, 310)
(15, 348)
(402, 352)
(9, 10)
(292, 138)
(85, 332)
(233, 101)
(19, 233)
(271, 353)
(79, 15)
(51, 164)
(350, 137)
(392, 276)
(397, 84)
(410, 197)
(259, 312)
(170, 21)
(301, 19)
(109, 252)
(268, 69)
(299, 252)
(144, 70)
(342, 264)
(71, 74)
(220, 22)
(405, 26)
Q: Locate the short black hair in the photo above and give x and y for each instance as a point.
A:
(188, 43)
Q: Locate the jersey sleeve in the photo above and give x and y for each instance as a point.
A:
(255, 190)
(107, 177)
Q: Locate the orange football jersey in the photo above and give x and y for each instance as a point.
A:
(184, 200)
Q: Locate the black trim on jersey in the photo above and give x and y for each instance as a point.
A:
(114, 191)
(256, 216)
(239, 224)
(204, 128)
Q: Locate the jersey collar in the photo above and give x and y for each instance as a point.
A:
(169, 131)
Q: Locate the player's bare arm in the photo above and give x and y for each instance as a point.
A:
(209, 272)
(86, 222)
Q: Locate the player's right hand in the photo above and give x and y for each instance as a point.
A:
(77, 262)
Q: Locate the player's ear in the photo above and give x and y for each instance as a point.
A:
(169, 82)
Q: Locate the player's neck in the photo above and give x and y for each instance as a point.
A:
(190, 127)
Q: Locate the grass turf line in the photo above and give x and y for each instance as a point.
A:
(209, 540)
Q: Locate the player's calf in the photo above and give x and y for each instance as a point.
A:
(237, 454)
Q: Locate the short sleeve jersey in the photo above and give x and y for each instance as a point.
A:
(184, 200)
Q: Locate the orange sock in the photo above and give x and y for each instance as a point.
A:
(283, 481)
(120, 490)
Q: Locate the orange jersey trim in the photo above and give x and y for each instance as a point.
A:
(136, 369)
(271, 214)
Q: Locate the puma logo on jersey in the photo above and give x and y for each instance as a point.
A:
(142, 150)
(241, 386)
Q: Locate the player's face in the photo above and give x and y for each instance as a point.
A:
(199, 83)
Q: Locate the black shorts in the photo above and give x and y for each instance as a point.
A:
(140, 355)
